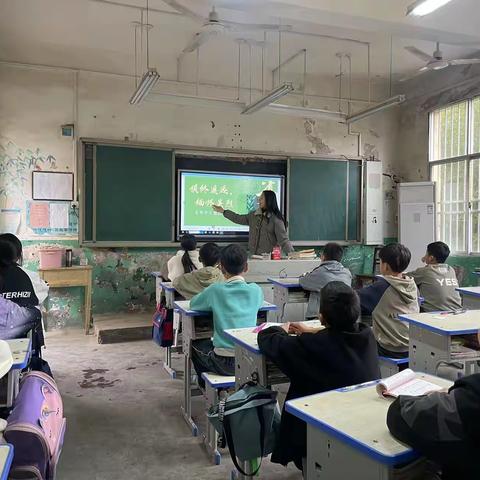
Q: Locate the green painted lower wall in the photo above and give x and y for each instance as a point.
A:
(469, 264)
(122, 280)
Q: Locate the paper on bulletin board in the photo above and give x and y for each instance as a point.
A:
(10, 220)
(59, 215)
(39, 215)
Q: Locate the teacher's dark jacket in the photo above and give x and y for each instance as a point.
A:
(314, 363)
(266, 231)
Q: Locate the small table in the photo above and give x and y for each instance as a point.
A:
(431, 339)
(470, 297)
(78, 276)
(21, 349)
(347, 434)
(197, 325)
(285, 291)
(6, 458)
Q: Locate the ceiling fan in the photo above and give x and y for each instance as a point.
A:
(436, 61)
(213, 25)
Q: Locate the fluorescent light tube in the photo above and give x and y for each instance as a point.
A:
(269, 98)
(305, 112)
(148, 81)
(376, 108)
(194, 101)
(424, 7)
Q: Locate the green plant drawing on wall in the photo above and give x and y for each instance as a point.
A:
(16, 165)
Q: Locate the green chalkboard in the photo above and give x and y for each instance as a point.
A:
(318, 199)
(128, 194)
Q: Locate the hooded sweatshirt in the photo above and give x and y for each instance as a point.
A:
(189, 284)
(314, 281)
(175, 265)
(438, 286)
(314, 363)
(385, 300)
(442, 426)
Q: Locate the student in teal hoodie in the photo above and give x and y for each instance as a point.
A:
(234, 304)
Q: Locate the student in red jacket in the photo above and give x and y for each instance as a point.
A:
(343, 353)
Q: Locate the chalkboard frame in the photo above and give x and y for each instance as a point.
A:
(211, 152)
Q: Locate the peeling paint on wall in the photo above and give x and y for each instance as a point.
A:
(319, 146)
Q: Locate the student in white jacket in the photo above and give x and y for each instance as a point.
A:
(40, 287)
(186, 260)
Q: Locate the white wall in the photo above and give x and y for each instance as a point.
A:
(34, 102)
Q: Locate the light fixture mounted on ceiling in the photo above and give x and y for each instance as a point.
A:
(306, 112)
(151, 76)
(269, 98)
(390, 102)
(425, 7)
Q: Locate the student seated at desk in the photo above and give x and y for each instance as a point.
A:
(234, 304)
(189, 284)
(444, 427)
(40, 286)
(17, 288)
(390, 296)
(437, 281)
(342, 354)
(185, 260)
(330, 270)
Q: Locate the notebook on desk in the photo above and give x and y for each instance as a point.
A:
(405, 383)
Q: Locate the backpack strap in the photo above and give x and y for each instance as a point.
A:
(231, 446)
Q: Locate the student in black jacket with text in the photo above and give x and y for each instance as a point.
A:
(343, 353)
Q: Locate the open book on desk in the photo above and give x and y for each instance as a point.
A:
(405, 383)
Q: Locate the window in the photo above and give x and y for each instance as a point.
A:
(455, 167)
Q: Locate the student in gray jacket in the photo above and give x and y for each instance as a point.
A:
(330, 270)
(437, 281)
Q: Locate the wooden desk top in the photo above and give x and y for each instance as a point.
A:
(287, 282)
(184, 307)
(469, 291)
(61, 269)
(6, 457)
(21, 349)
(357, 416)
(446, 323)
(247, 337)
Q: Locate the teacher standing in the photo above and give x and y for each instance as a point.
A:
(267, 225)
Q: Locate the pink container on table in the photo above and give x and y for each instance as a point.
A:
(51, 257)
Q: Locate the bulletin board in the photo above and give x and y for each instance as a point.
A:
(52, 186)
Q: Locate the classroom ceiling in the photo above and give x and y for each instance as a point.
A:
(97, 35)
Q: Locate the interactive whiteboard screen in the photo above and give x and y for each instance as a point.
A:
(198, 191)
(52, 186)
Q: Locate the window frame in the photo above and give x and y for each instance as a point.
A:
(468, 158)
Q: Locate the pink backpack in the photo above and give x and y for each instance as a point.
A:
(36, 428)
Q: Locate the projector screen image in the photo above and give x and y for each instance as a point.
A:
(198, 191)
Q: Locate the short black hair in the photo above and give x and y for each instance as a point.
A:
(396, 256)
(8, 254)
(233, 259)
(339, 305)
(210, 254)
(439, 251)
(333, 251)
(16, 244)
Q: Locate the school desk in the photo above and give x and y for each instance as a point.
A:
(347, 435)
(287, 291)
(21, 349)
(470, 297)
(168, 290)
(195, 326)
(431, 340)
(6, 458)
(252, 365)
(477, 274)
(78, 276)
